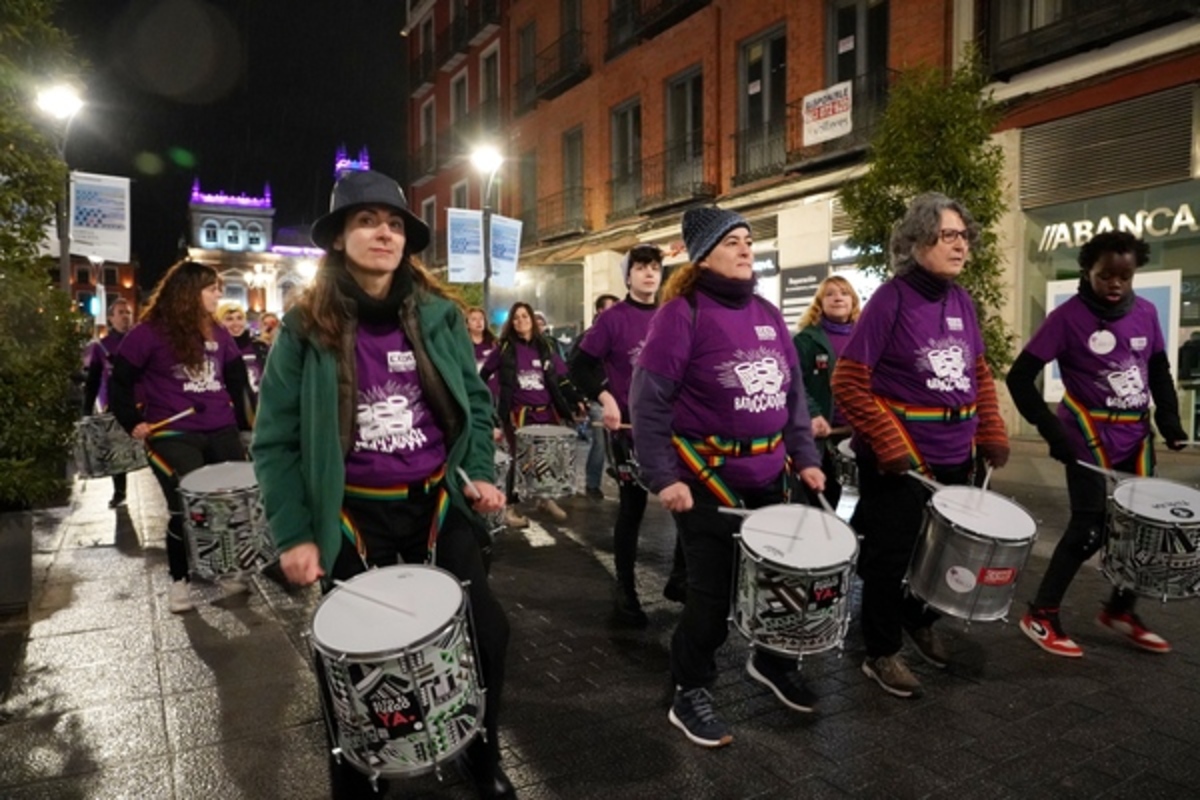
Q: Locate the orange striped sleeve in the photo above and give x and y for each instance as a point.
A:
(991, 426)
(877, 426)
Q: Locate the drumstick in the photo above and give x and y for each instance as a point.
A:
(185, 413)
(624, 426)
(345, 588)
(987, 478)
(1111, 473)
(825, 503)
(737, 512)
(468, 487)
(930, 482)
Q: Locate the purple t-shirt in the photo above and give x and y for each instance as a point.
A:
(1104, 365)
(616, 338)
(922, 352)
(838, 334)
(104, 349)
(734, 367)
(483, 352)
(396, 438)
(167, 387)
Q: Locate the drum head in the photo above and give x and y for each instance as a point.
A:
(229, 476)
(798, 537)
(545, 431)
(845, 450)
(1159, 500)
(985, 513)
(391, 608)
(501, 460)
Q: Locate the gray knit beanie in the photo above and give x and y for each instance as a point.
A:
(705, 227)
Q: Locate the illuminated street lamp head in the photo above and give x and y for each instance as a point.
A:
(486, 159)
(61, 102)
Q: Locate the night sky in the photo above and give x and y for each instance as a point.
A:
(237, 93)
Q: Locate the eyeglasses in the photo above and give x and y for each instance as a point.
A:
(951, 235)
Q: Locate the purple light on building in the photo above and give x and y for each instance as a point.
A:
(222, 199)
(297, 252)
(342, 163)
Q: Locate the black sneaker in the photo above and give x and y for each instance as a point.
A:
(786, 685)
(118, 499)
(692, 712)
(626, 608)
(595, 493)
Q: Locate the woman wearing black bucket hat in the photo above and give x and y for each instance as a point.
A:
(344, 490)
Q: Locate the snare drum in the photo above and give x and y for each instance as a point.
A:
(1153, 545)
(793, 580)
(400, 669)
(224, 522)
(102, 447)
(546, 461)
(846, 466)
(970, 552)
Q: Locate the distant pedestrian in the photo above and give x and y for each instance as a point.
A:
(821, 337)
(268, 323)
(186, 369)
(232, 318)
(706, 439)
(484, 342)
(602, 367)
(345, 489)
(915, 386)
(1112, 358)
(99, 371)
(593, 472)
(534, 390)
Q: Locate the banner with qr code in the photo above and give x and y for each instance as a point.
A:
(100, 217)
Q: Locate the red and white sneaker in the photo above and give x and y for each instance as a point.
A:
(1130, 626)
(1046, 632)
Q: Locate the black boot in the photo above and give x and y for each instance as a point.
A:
(626, 608)
(481, 765)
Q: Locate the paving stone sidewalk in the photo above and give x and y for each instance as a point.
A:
(112, 696)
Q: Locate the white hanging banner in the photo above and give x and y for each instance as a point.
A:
(464, 233)
(828, 113)
(100, 217)
(506, 250)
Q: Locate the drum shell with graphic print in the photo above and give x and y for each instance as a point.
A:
(224, 522)
(403, 693)
(546, 461)
(1153, 542)
(102, 447)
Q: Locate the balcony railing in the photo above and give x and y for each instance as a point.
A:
(490, 114)
(625, 191)
(677, 175)
(633, 21)
(527, 94)
(454, 42)
(1083, 25)
(420, 72)
(483, 19)
(868, 96)
(761, 151)
(622, 28)
(427, 158)
(563, 214)
(562, 65)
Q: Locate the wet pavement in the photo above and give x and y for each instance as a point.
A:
(107, 694)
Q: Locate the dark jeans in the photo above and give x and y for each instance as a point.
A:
(397, 532)
(889, 517)
(173, 457)
(711, 555)
(1087, 491)
(626, 530)
(119, 483)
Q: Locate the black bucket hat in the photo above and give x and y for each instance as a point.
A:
(363, 188)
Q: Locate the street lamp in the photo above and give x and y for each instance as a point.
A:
(487, 160)
(61, 103)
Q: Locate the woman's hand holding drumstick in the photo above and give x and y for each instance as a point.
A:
(144, 429)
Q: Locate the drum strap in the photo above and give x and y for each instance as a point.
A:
(914, 455)
(434, 484)
(932, 413)
(1087, 418)
(704, 456)
(518, 417)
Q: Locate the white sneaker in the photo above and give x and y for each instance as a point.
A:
(553, 510)
(179, 597)
(233, 586)
(514, 519)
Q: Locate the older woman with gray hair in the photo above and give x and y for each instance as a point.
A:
(913, 383)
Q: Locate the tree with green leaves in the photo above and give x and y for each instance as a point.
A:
(935, 135)
(40, 333)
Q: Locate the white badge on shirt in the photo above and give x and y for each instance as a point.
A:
(1138, 342)
(1102, 342)
(401, 361)
(954, 323)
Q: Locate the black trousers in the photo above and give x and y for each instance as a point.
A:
(397, 532)
(888, 517)
(1087, 491)
(172, 458)
(633, 498)
(711, 555)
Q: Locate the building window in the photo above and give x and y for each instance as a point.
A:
(858, 44)
(489, 88)
(626, 156)
(458, 97)
(1017, 17)
(572, 145)
(233, 236)
(211, 234)
(428, 43)
(527, 67)
(528, 178)
(254, 237)
(459, 197)
(83, 276)
(429, 217)
(111, 276)
(762, 99)
(685, 116)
